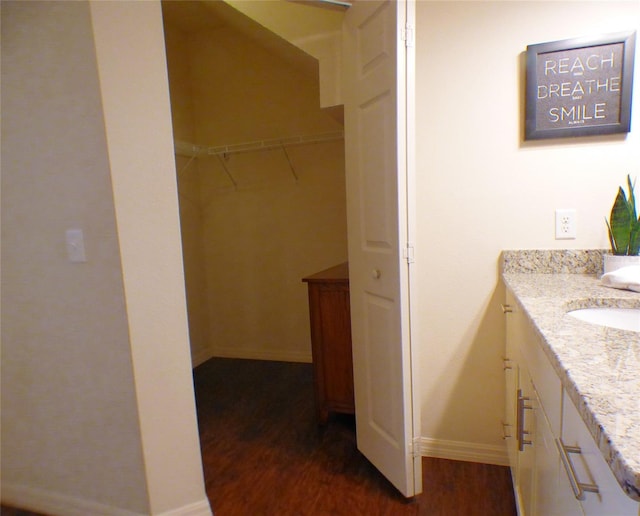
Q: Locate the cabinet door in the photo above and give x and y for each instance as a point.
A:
(527, 407)
(511, 384)
(509, 423)
(590, 468)
(519, 414)
(553, 493)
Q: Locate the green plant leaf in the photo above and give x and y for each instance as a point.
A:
(611, 240)
(634, 240)
(632, 199)
(620, 224)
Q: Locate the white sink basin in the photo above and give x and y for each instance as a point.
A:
(620, 318)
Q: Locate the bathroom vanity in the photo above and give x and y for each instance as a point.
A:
(572, 410)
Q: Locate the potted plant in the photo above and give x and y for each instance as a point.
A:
(624, 231)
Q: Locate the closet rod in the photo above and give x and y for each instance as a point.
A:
(191, 149)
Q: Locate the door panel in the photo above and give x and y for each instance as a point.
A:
(375, 145)
(382, 386)
(379, 208)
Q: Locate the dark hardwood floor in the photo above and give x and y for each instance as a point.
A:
(263, 454)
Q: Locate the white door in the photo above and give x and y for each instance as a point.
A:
(376, 168)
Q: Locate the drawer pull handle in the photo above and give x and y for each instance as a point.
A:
(375, 273)
(505, 431)
(506, 309)
(521, 432)
(507, 364)
(578, 488)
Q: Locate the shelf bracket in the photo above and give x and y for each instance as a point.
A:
(293, 170)
(226, 170)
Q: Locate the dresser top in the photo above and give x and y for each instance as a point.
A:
(336, 274)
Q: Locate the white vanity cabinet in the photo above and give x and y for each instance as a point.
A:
(543, 432)
(531, 388)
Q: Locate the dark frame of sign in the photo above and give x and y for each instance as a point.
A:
(580, 87)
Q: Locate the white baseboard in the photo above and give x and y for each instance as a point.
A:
(200, 356)
(201, 508)
(49, 502)
(464, 451)
(262, 354)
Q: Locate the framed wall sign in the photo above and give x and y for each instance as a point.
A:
(580, 87)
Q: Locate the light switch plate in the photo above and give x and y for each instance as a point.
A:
(75, 245)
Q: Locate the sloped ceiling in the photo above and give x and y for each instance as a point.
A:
(206, 15)
(190, 16)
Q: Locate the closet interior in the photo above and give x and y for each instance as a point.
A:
(260, 173)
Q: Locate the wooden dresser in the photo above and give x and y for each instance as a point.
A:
(331, 340)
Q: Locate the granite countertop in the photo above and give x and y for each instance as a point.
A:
(598, 366)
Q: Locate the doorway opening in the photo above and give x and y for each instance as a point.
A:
(268, 197)
(261, 183)
(260, 179)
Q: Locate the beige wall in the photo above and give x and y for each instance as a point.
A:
(242, 92)
(261, 240)
(179, 72)
(481, 189)
(98, 414)
(317, 31)
(247, 248)
(69, 419)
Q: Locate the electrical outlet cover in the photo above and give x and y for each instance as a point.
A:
(566, 224)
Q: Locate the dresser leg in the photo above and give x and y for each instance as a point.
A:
(323, 416)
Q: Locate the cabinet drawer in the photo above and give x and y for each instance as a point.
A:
(545, 379)
(554, 496)
(590, 467)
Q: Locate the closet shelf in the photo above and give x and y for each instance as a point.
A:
(193, 150)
